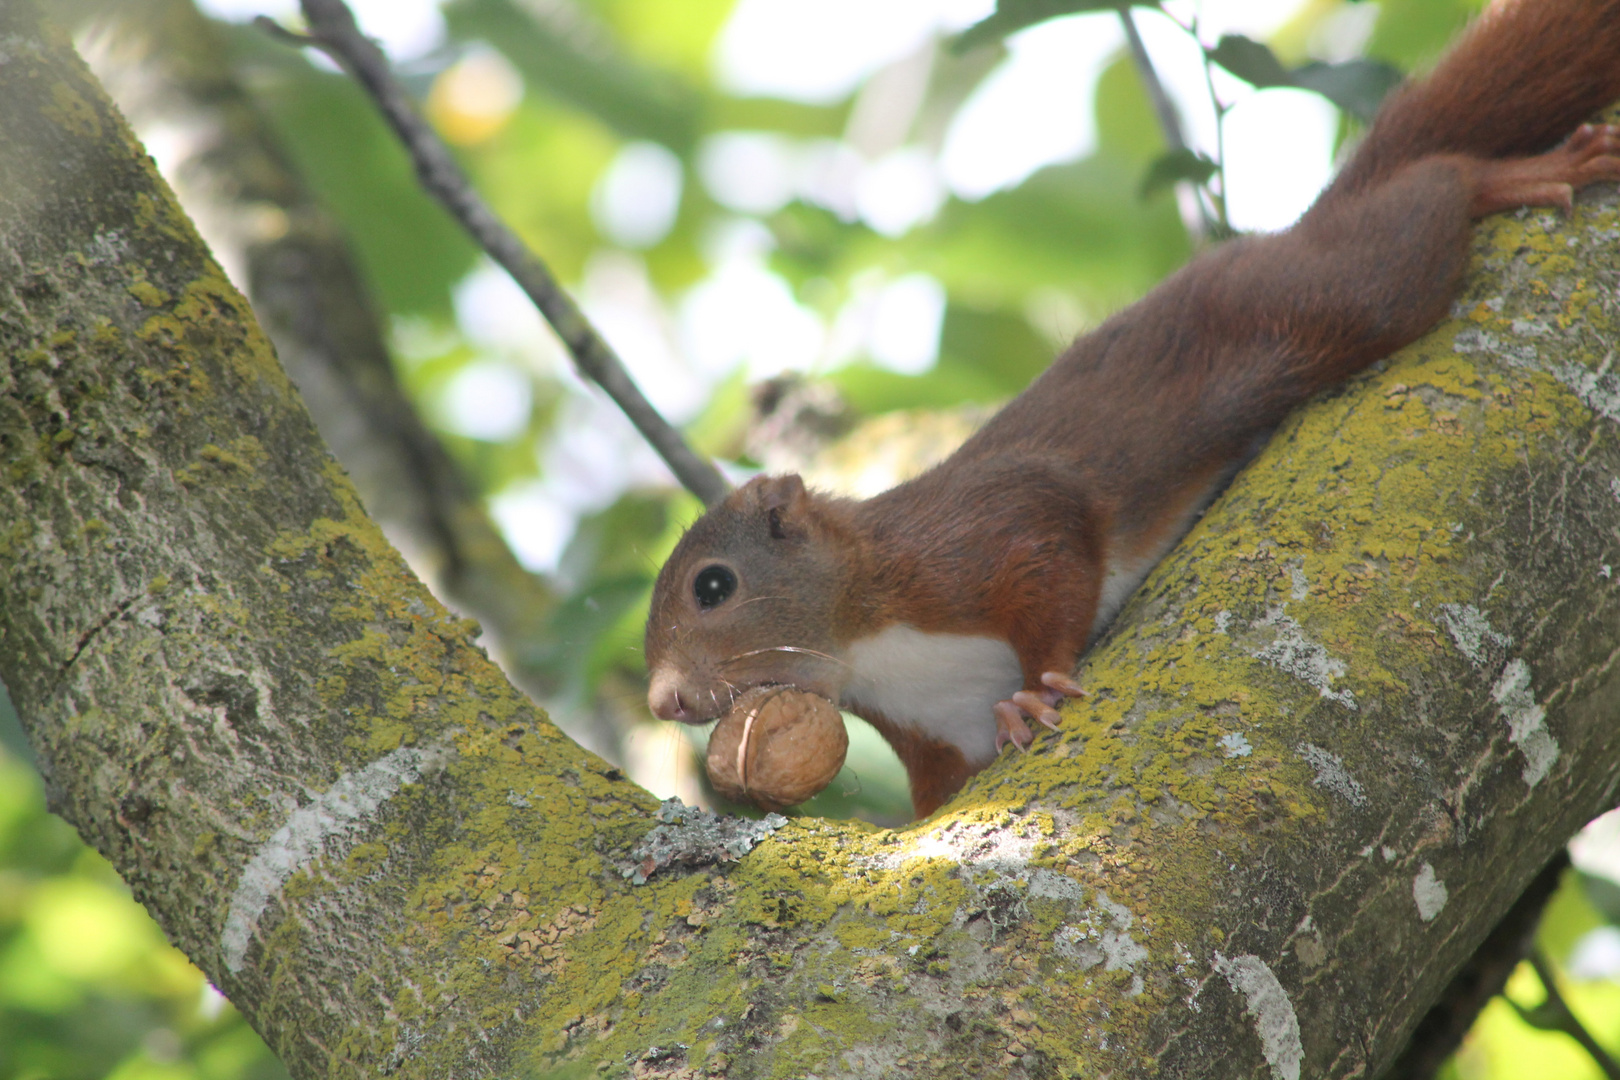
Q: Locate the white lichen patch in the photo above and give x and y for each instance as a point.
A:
(1078, 943)
(1295, 654)
(1598, 390)
(1235, 745)
(1102, 935)
(1526, 720)
(1051, 885)
(1120, 950)
(1614, 487)
(323, 827)
(1300, 588)
(1471, 339)
(1429, 892)
(13, 44)
(1267, 1003)
(687, 838)
(1474, 636)
(108, 247)
(1331, 774)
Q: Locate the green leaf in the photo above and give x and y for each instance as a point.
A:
(1013, 15)
(1174, 167)
(1411, 33)
(1126, 123)
(1251, 61)
(1078, 228)
(1356, 86)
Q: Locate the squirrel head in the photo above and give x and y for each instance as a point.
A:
(748, 598)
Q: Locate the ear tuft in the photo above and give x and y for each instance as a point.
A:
(784, 499)
(781, 492)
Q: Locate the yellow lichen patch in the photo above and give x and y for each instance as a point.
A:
(236, 464)
(210, 321)
(147, 293)
(73, 113)
(104, 334)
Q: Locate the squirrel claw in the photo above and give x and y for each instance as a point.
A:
(1038, 705)
(1010, 726)
(1065, 686)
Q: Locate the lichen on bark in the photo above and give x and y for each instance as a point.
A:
(1325, 745)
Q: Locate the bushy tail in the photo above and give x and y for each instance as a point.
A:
(1517, 83)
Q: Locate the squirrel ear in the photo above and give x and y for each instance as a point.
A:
(783, 498)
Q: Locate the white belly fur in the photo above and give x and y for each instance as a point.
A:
(943, 684)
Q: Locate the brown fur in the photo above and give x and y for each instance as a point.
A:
(1109, 454)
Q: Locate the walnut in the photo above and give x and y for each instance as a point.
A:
(776, 747)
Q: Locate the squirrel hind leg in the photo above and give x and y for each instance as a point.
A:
(1589, 156)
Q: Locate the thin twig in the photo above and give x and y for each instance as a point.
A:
(1221, 110)
(1197, 220)
(334, 32)
(1568, 1024)
(1163, 107)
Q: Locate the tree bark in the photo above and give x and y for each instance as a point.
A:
(1326, 746)
(166, 67)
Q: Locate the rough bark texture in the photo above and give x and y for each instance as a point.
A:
(166, 68)
(1326, 748)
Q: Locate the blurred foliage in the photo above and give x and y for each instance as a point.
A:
(87, 989)
(88, 986)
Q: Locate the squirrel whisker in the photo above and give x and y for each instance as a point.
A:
(784, 648)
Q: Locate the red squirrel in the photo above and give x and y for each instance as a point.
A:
(949, 611)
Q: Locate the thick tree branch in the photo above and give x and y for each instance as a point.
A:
(1442, 1029)
(333, 30)
(165, 66)
(1327, 746)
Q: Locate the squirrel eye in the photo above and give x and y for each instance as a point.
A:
(713, 585)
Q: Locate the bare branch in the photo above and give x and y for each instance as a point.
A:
(1195, 215)
(1563, 1019)
(1163, 107)
(333, 30)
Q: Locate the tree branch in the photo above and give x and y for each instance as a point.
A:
(1482, 978)
(165, 65)
(1327, 744)
(1562, 1018)
(1195, 217)
(1163, 107)
(333, 30)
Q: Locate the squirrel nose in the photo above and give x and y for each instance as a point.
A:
(664, 696)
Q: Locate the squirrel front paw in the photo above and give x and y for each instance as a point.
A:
(1040, 705)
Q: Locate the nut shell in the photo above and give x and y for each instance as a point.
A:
(776, 747)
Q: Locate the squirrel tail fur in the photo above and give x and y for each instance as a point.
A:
(1517, 83)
